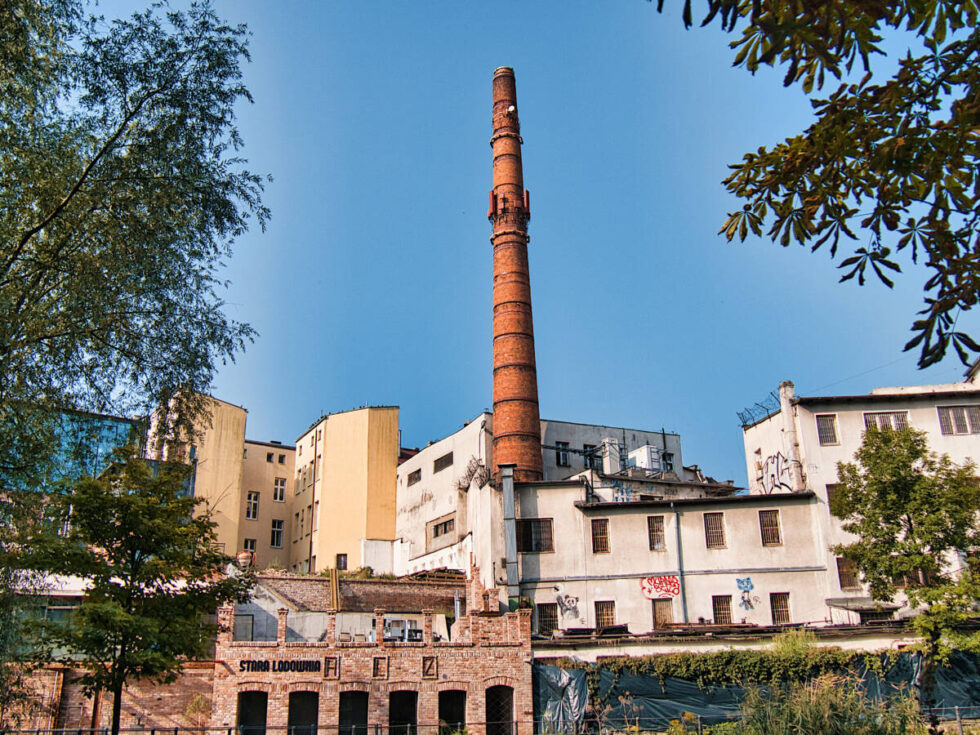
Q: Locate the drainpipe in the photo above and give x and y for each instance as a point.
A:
(787, 395)
(680, 562)
(510, 534)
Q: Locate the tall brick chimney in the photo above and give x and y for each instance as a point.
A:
(516, 423)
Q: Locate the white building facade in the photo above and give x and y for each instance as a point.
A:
(797, 448)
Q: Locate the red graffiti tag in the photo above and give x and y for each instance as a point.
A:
(660, 586)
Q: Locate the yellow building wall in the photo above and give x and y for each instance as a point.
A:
(355, 491)
(218, 477)
(259, 475)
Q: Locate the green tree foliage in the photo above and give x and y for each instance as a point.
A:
(915, 515)
(121, 191)
(831, 705)
(888, 172)
(152, 568)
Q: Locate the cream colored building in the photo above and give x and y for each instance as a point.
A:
(344, 491)
(265, 523)
(796, 449)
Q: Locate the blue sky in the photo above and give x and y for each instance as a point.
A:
(372, 283)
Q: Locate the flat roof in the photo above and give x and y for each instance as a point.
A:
(773, 499)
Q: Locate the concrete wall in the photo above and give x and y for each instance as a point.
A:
(263, 464)
(578, 435)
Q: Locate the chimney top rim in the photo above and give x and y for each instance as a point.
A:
(501, 70)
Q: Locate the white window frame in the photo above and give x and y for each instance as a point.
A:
(279, 489)
(275, 539)
(248, 544)
(252, 506)
(833, 427)
(897, 420)
(561, 454)
(969, 414)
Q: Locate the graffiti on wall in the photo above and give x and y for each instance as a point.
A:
(747, 601)
(775, 474)
(568, 605)
(664, 585)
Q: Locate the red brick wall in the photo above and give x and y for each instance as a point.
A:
(487, 650)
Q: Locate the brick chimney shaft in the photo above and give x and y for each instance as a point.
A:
(516, 423)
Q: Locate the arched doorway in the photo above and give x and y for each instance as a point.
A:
(452, 711)
(252, 708)
(303, 710)
(403, 713)
(353, 713)
(500, 710)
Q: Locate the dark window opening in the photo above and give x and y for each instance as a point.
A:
(655, 532)
(442, 463)
(600, 535)
(547, 617)
(561, 454)
(251, 712)
(353, 715)
(534, 534)
(341, 561)
(452, 711)
(303, 710)
(403, 713)
(414, 476)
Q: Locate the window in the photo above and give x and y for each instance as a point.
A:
(667, 461)
(663, 613)
(316, 514)
(302, 522)
(827, 429)
(655, 531)
(341, 561)
(442, 463)
(249, 544)
(769, 527)
(441, 529)
(874, 616)
(591, 460)
(897, 420)
(779, 604)
(600, 535)
(534, 534)
(847, 574)
(279, 490)
(721, 609)
(547, 617)
(252, 506)
(276, 539)
(296, 528)
(959, 419)
(268, 457)
(282, 459)
(605, 613)
(414, 476)
(561, 454)
(714, 530)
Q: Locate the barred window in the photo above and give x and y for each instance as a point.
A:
(655, 531)
(442, 463)
(897, 420)
(847, 574)
(600, 535)
(534, 534)
(959, 419)
(414, 476)
(547, 617)
(779, 604)
(605, 613)
(721, 609)
(714, 530)
(769, 527)
(827, 429)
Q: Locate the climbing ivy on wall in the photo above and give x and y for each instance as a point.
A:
(738, 667)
